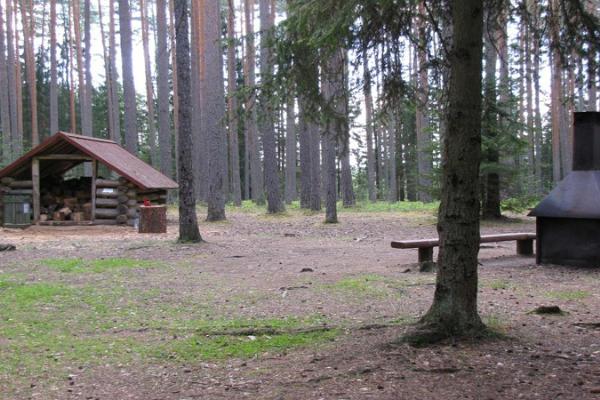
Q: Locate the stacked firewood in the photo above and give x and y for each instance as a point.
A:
(116, 202)
(66, 200)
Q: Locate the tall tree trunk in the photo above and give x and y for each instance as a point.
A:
(12, 66)
(330, 138)
(454, 308)
(490, 125)
(188, 222)
(53, 71)
(214, 113)
(198, 34)
(256, 175)
(162, 81)
(107, 72)
(372, 189)
(533, 157)
(4, 100)
(130, 121)
(560, 165)
(72, 111)
(234, 150)
(305, 138)
(154, 158)
(28, 35)
(19, 86)
(272, 186)
(88, 128)
(291, 192)
(114, 78)
(424, 159)
(175, 81)
(341, 90)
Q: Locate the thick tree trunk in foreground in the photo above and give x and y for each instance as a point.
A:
(330, 138)
(454, 308)
(131, 134)
(272, 186)
(162, 83)
(188, 222)
(214, 113)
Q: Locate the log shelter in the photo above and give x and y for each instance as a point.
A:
(41, 187)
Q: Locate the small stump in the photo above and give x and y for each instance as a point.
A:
(153, 219)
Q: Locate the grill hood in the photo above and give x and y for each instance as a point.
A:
(578, 195)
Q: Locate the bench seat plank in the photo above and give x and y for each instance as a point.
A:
(501, 237)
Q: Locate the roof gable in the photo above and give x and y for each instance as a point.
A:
(105, 151)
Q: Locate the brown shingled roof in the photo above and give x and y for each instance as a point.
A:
(105, 151)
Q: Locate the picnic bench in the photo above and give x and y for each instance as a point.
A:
(425, 246)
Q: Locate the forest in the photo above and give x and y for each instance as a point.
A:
(353, 179)
(108, 69)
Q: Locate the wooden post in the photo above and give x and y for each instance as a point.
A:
(525, 247)
(35, 178)
(94, 175)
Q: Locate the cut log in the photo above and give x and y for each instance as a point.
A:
(57, 216)
(122, 219)
(132, 194)
(123, 198)
(7, 180)
(106, 213)
(70, 202)
(21, 184)
(106, 183)
(153, 219)
(107, 203)
(21, 191)
(107, 193)
(122, 209)
(132, 203)
(77, 216)
(43, 217)
(66, 211)
(123, 181)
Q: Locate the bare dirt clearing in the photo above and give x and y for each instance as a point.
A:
(105, 313)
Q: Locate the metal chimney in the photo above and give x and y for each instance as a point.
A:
(568, 219)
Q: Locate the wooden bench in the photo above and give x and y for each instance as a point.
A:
(425, 246)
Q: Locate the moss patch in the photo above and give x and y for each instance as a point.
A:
(78, 265)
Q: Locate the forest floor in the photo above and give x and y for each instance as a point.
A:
(105, 313)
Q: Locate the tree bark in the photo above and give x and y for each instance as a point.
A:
(256, 175)
(11, 66)
(291, 191)
(491, 198)
(372, 189)
(28, 33)
(424, 159)
(454, 309)
(131, 134)
(272, 185)
(162, 80)
(53, 71)
(114, 78)
(154, 158)
(234, 150)
(188, 223)
(4, 100)
(214, 113)
(88, 127)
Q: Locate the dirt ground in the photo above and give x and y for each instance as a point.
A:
(250, 268)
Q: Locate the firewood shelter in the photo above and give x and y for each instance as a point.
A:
(71, 179)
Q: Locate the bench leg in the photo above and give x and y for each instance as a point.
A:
(525, 247)
(425, 254)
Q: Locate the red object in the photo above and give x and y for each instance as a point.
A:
(147, 203)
